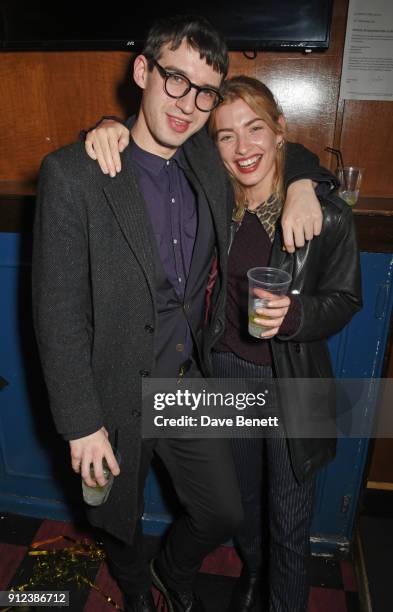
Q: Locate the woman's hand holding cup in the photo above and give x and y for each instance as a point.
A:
(272, 313)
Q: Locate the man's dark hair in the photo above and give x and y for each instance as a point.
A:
(199, 34)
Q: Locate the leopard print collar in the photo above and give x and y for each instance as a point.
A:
(268, 213)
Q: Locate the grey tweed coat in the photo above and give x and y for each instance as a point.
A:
(94, 305)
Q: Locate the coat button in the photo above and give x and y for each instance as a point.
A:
(144, 373)
(297, 348)
(149, 329)
(135, 413)
(180, 348)
(218, 326)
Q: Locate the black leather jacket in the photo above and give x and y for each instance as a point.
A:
(326, 279)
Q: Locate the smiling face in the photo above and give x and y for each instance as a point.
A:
(248, 147)
(165, 123)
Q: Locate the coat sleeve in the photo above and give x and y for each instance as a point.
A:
(301, 163)
(61, 304)
(338, 295)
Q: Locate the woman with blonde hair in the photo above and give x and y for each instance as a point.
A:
(250, 133)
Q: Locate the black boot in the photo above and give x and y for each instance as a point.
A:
(140, 602)
(176, 601)
(246, 596)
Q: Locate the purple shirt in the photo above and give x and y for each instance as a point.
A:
(172, 208)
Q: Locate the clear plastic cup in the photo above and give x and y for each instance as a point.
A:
(96, 496)
(274, 281)
(350, 178)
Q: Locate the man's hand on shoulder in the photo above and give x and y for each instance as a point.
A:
(92, 449)
(302, 215)
(105, 143)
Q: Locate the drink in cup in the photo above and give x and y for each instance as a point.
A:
(274, 281)
(96, 496)
(350, 178)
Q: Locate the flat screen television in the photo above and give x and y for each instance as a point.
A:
(248, 25)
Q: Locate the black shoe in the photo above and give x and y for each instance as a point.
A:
(246, 596)
(175, 600)
(141, 602)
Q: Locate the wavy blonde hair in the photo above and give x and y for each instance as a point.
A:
(261, 100)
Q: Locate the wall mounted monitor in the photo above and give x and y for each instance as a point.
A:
(248, 25)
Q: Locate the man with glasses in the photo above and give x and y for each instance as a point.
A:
(120, 270)
(178, 85)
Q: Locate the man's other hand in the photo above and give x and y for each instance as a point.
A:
(105, 143)
(302, 215)
(93, 449)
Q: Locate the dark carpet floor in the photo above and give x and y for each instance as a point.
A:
(81, 571)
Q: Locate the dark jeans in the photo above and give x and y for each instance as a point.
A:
(288, 504)
(205, 481)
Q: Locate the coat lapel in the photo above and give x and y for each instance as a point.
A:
(126, 201)
(204, 239)
(202, 154)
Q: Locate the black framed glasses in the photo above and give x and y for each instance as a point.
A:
(177, 85)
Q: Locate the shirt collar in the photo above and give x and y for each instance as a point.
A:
(154, 163)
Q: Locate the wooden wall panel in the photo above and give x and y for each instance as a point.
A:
(381, 468)
(48, 97)
(24, 116)
(308, 98)
(366, 141)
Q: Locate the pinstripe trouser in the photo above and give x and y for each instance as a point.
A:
(289, 506)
